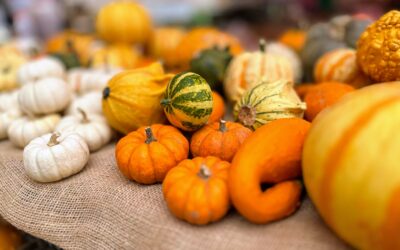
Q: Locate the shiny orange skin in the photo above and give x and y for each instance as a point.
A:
(272, 154)
(218, 111)
(148, 163)
(323, 95)
(302, 89)
(196, 196)
(221, 139)
(202, 38)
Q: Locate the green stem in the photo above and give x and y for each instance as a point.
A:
(165, 102)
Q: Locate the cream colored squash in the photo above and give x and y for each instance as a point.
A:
(90, 103)
(45, 96)
(53, 157)
(9, 101)
(11, 61)
(85, 80)
(40, 68)
(23, 130)
(92, 128)
(6, 118)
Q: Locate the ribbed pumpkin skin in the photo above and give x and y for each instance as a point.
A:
(340, 66)
(9, 65)
(117, 55)
(188, 101)
(352, 174)
(132, 98)
(267, 102)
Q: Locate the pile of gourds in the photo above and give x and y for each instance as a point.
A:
(171, 115)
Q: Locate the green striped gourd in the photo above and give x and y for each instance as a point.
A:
(188, 101)
(268, 101)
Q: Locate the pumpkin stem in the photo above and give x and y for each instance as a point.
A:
(247, 115)
(165, 102)
(106, 92)
(85, 118)
(222, 126)
(149, 136)
(262, 44)
(53, 139)
(204, 172)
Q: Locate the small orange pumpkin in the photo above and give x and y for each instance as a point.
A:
(302, 89)
(116, 55)
(197, 190)
(221, 139)
(147, 154)
(294, 39)
(218, 111)
(272, 154)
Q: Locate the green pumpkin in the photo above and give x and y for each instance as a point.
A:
(70, 58)
(188, 101)
(211, 64)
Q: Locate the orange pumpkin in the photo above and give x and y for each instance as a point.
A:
(197, 190)
(116, 55)
(302, 89)
(272, 154)
(147, 154)
(202, 38)
(294, 39)
(324, 95)
(218, 111)
(340, 65)
(163, 44)
(221, 139)
(10, 238)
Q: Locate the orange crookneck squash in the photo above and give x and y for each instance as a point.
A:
(218, 111)
(221, 139)
(197, 190)
(272, 154)
(146, 155)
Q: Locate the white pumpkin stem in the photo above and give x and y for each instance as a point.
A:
(204, 172)
(149, 136)
(262, 44)
(53, 139)
(85, 118)
(247, 115)
(222, 126)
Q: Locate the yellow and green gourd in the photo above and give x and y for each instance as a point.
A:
(188, 101)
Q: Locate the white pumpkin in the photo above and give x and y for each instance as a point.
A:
(40, 68)
(6, 118)
(45, 96)
(90, 103)
(23, 130)
(53, 157)
(93, 128)
(9, 101)
(86, 80)
(279, 49)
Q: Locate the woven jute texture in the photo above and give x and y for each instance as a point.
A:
(100, 209)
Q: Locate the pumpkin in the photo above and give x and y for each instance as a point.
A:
(266, 102)
(115, 55)
(69, 58)
(40, 68)
(202, 38)
(10, 63)
(221, 139)
(163, 44)
(196, 190)
(352, 175)
(23, 130)
(247, 69)
(188, 101)
(6, 118)
(302, 89)
(324, 95)
(146, 155)
(218, 110)
(211, 64)
(45, 96)
(340, 65)
(89, 102)
(272, 154)
(378, 48)
(132, 98)
(123, 22)
(10, 237)
(53, 157)
(354, 29)
(293, 38)
(9, 101)
(29, 47)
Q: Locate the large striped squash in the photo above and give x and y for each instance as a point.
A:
(246, 69)
(351, 167)
(188, 101)
(340, 65)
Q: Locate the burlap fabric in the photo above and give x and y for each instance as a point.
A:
(100, 209)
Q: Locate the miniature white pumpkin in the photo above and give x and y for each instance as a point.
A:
(45, 96)
(40, 68)
(92, 127)
(86, 80)
(9, 101)
(52, 157)
(23, 130)
(6, 118)
(90, 103)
